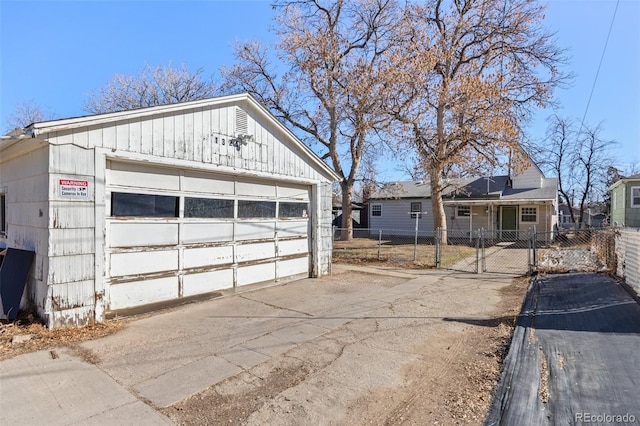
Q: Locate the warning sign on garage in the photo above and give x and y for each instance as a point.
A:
(76, 189)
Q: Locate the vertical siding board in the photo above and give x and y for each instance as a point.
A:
(108, 138)
(207, 136)
(216, 140)
(122, 136)
(189, 143)
(81, 138)
(146, 136)
(178, 132)
(134, 135)
(198, 135)
(94, 137)
(169, 136)
(158, 136)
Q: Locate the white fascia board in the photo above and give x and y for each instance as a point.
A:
(92, 120)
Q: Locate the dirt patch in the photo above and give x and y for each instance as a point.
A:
(453, 382)
(27, 334)
(341, 377)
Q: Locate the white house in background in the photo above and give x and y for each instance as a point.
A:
(508, 207)
(141, 207)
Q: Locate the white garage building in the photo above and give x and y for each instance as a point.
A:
(141, 207)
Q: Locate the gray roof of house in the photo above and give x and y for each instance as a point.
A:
(469, 188)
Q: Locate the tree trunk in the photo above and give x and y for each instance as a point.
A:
(346, 233)
(439, 216)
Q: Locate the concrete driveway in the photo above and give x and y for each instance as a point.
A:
(373, 323)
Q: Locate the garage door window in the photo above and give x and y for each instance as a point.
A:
(291, 210)
(143, 205)
(208, 208)
(256, 209)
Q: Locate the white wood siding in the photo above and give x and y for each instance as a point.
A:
(201, 135)
(530, 178)
(25, 182)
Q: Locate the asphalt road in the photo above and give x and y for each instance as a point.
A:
(575, 355)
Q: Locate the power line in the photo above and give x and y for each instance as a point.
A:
(599, 65)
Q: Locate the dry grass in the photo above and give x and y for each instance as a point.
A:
(37, 337)
(395, 253)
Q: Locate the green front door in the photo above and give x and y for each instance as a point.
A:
(509, 224)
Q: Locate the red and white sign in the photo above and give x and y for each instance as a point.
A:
(70, 188)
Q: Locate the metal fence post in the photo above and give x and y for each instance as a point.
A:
(529, 255)
(379, 243)
(535, 248)
(484, 254)
(438, 238)
(477, 251)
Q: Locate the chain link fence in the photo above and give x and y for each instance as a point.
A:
(512, 252)
(584, 250)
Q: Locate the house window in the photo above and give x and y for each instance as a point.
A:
(376, 210)
(256, 209)
(463, 211)
(143, 205)
(529, 214)
(416, 210)
(3, 214)
(635, 196)
(208, 207)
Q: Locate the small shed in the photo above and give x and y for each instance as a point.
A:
(134, 208)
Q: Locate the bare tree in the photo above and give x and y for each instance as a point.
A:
(580, 158)
(330, 87)
(464, 80)
(153, 86)
(26, 113)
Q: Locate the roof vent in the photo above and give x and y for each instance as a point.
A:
(241, 122)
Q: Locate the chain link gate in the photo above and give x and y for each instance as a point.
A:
(495, 252)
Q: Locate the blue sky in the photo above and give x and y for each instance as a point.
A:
(55, 52)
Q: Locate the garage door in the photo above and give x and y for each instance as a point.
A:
(173, 233)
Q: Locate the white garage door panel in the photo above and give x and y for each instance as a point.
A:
(289, 247)
(132, 234)
(297, 193)
(293, 228)
(193, 233)
(291, 267)
(206, 256)
(205, 183)
(255, 230)
(255, 189)
(206, 282)
(143, 262)
(256, 273)
(134, 175)
(138, 293)
(257, 251)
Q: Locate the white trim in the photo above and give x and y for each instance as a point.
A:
(376, 205)
(521, 214)
(631, 203)
(463, 215)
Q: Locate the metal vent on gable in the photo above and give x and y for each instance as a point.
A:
(241, 122)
